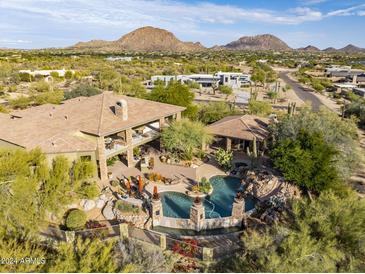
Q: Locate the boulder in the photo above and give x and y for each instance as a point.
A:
(88, 205)
(108, 212)
(100, 203)
(82, 202)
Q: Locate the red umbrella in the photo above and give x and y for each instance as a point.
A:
(128, 185)
(155, 193)
(140, 184)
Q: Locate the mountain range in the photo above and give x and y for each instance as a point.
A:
(147, 39)
(143, 39)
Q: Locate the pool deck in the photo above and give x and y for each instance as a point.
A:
(184, 176)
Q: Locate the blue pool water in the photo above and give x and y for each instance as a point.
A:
(218, 204)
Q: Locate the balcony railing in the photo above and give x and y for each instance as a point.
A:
(114, 147)
(143, 137)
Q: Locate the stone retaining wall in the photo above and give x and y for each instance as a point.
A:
(215, 223)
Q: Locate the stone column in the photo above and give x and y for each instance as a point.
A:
(130, 158)
(163, 241)
(197, 214)
(162, 123)
(207, 254)
(123, 228)
(238, 208)
(129, 143)
(228, 144)
(156, 210)
(102, 160)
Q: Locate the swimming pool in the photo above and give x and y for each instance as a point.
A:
(218, 204)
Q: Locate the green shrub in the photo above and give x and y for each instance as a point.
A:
(126, 207)
(307, 160)
(193, 85)
(40, 86)
(213, 111)
(82, 90)
(76, 219)
(89, 191)
(224, 158)
(49, 97)
(25, 77)
(55, 74)
(205, 186)
(225, 90)
(21, 102)
(68, 74)
(259, 107)
(3, 109)
(83, 169)
(112, 160)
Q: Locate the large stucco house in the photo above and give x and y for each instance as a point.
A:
(94, 128)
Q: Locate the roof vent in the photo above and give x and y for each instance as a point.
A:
(121, 109)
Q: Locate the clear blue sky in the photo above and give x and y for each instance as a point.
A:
(60, 23)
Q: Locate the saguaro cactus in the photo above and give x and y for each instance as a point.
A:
(291, 108)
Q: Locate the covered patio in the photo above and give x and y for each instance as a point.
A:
(181, 177)
(239, 131)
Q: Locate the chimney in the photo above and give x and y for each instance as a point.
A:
(121, 109)
(354, 79)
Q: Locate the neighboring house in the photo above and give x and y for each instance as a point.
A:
(336, 71)
(232, 79)
(344, 87)
(359, 91)
(204, 80)
(358, 79)
(239, 131)
(95, 128)
(46, 73)
(119, 58)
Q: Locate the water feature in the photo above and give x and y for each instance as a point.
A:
(217, 205)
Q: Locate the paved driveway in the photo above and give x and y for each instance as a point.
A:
(303, 93)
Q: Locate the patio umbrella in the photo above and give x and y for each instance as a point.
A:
(128, 185)
(155, 193)
(140, 184)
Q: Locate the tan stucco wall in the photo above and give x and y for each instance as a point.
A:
(72, 156)
(4, 144)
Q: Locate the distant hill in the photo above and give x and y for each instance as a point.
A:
(258, 42)
(351, 48)
(309, 48)
(142, 39)
(330, 49)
